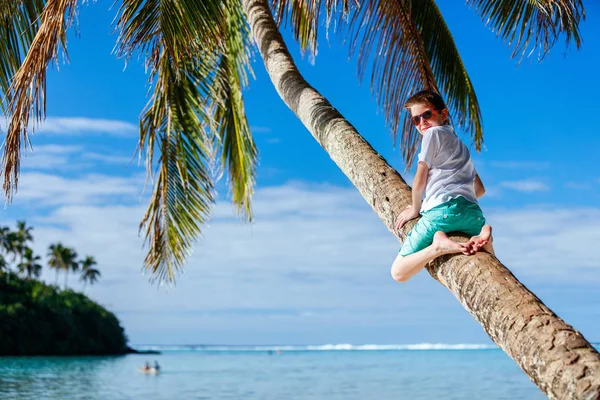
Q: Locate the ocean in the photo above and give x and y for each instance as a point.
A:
(328, 372)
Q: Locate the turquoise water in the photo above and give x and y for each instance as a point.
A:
(257, 373)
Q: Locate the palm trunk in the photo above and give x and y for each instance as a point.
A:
(554, 355)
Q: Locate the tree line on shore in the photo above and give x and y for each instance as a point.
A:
(17, 256)
(41, 319)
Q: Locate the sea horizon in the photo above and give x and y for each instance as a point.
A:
(425, 346)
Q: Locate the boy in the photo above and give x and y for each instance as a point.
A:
(446, 175)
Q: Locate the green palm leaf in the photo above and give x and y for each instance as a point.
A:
(19, 21)
(531, 24)
(304, 17)
(180, 28)
(182, 197)
(237, 148)
(387, 39)
(450, 72)
(27, 92)
(197, 53)
(407, 47)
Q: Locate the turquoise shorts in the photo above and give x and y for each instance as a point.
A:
(456, 215)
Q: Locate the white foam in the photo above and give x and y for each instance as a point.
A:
(323, 347)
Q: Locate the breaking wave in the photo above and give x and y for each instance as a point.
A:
(323, 347)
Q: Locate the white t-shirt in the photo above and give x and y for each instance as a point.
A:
(451, 171)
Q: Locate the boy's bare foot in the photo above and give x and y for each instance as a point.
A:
(477, 242)
(444, 245)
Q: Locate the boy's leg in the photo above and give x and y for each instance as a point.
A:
(405, 267)
(483, 240)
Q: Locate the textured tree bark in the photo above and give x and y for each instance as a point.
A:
(552, 353)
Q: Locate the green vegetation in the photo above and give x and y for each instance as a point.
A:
(41, 319)
(16, 255)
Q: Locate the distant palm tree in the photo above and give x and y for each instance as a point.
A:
(4, 266)
(88, 273)
(22, 238)
(56, 260)
(11, 244)
(4, 238)
(70, 263)
(30, 264)
(8, 247)
(4, 246)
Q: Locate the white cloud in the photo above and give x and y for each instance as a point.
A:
(526, 185)
(55, 149)
(81, 125)
(260, 129)
(49, 157)
(51, 190)
(546, 242)
(315, 258)
(69, 158)
(578, 185)
(111, 158)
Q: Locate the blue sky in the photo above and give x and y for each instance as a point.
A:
(313, 267)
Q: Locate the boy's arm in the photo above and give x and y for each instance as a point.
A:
(479, 189)
(418, 188)
(419, 184)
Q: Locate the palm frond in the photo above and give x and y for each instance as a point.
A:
(450, 72)
(239, 153)
(26, 94)
(197, 54)
(183, 194)
(303, 15)
(181, 28)
(388, 41)
(19, 21)
(528, 25)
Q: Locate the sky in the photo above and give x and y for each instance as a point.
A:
(313, 267)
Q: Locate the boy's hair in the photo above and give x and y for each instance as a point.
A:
(426, 96)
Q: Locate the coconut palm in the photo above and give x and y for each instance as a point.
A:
(56, 258)
(4, 238)
(23, 237)
(70, 263)
(197, 55)
(4, 266)
(9, 246)
(88, 273)
(29, 265)
(5, 242)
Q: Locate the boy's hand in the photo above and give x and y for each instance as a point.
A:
(405, 216)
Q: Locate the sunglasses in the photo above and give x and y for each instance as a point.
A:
(416, 120)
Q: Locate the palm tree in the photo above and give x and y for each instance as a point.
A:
(197, 53)
(9, 246)
(5, 245)
(88, 273)
(29, 265)
(4, 266)
(4, 238)
(56, 260)
(23, 237)
(70, 263)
